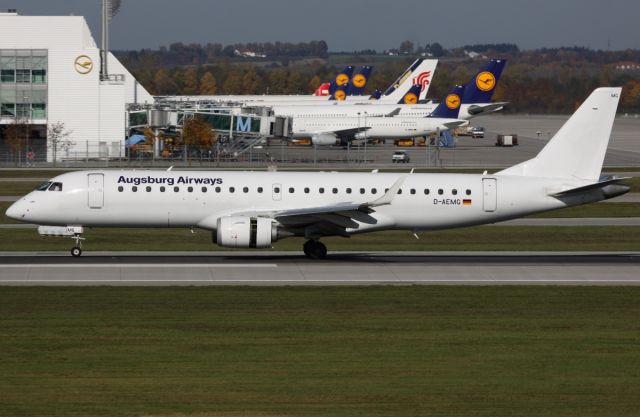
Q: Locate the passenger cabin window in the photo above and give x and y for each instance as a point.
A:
(176, 189)
(362, 191)
(440, 191)
(348, 190)
(426, 191)
(121, 188)
(43, 186)
(134, 189)
(190, 189)
(217, 189)
(204, 189)
(162, 189)
(148, 189)
(232, 190)
(321, 190)
(335, 191)
(291, 190)
(56, 186)
(454, 192)
(245, 190)
(374, 190)
(413, 191)
(468, 192)
(260, 190)
(306, 190)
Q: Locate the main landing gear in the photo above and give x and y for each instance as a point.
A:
(314, 249)
(76, 251)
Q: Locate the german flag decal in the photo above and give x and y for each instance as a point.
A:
(466, 202)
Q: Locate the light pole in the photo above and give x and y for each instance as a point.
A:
(365, 138)
(358, 133)
(25, 102)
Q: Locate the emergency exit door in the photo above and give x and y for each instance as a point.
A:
(96, 191)
(489, 194)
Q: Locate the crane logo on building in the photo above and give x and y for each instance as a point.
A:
(83, 64)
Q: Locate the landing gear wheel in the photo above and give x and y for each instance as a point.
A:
(315, 249)
(76, 252)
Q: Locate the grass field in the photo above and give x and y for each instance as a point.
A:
(370, 351)
(481, 238)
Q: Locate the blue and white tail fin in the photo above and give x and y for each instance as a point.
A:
(483, 84)
(340, 94)
(359, 81)
(577, 151)
(375, 95)
(420, 72)
(342, 78)
(449, 107)
(411, 96)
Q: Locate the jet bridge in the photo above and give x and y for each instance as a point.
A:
(229, 119)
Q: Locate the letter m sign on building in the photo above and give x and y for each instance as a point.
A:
(243, 124)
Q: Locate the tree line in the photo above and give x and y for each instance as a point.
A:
(538, 81)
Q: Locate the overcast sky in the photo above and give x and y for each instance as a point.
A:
(358, 24)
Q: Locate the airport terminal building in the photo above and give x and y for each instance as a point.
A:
(50, 73)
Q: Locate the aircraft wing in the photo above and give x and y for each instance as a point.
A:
(330, 219)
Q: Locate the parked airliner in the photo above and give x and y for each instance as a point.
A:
(255, 209)
(419, 72)
(476, 101)
(328, 130)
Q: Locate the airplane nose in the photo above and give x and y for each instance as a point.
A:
(16, 211)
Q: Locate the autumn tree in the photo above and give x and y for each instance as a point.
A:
(198, 135)
(208, 84)
(251, 81)
(191, 81)
(314, 83)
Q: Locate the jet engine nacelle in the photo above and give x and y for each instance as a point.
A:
(245, 232)
(324, 139)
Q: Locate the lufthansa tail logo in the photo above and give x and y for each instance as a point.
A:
(359, 81)
(340, 95)
(342, 79)
(485, 81)
(452, 101)
(410, 98)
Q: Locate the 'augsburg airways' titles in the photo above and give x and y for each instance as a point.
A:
(183, 179)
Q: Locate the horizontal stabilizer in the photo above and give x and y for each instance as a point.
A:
(478, 109)
(621, 189)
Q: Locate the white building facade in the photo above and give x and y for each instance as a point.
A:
(50, 73)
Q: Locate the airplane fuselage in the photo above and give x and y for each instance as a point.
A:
(198, 199)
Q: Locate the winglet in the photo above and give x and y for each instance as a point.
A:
(387, 198)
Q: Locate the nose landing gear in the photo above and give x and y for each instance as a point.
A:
(314, 249)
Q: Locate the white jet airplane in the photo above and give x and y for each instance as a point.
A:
(419, 72)
(255, 209)
(329, 130)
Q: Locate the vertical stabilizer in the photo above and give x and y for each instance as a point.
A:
(577, 150)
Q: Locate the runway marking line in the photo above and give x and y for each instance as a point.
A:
(347, 281)
(139, 265)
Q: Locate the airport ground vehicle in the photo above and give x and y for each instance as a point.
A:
(400, 156)
(477, 132)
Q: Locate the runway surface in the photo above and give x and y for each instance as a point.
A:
(340, 268)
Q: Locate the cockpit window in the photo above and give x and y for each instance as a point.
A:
(56, 186)
(43, 186)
